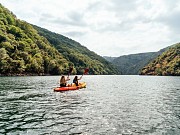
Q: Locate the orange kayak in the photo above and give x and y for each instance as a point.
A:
(66, 88)
(81, 85)
(71, 87)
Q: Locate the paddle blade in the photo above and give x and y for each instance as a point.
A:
(86, 71)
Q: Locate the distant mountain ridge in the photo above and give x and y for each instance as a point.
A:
(133, 63)
(110, 59)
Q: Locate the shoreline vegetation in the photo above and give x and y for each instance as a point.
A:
(21, 75)
(13, 75)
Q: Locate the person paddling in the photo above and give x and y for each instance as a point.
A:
(63, 81)
(75, 80)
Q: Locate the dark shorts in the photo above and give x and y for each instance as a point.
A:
(63, 85)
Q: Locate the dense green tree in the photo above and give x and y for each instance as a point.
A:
(7, 46)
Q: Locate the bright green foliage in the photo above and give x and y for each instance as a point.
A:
(166, 64)
(28, 50)
(79, 55)
(24, 51)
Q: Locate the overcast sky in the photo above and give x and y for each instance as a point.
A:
(107, 27)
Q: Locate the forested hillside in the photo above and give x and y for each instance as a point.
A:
(110, 59)
(24, 51)
(78, 54)
(168, 63)
(133, 63)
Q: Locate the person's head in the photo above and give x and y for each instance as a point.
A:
(75, 77)
(62, 78)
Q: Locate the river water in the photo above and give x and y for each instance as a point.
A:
(110, 105)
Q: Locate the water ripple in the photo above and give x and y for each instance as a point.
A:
(127, 105)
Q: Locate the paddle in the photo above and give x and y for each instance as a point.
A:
(70, 70)
(85, 72)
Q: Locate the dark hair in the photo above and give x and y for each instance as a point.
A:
(62, 77)
(76, 77)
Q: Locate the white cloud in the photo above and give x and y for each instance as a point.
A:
(108, 27)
